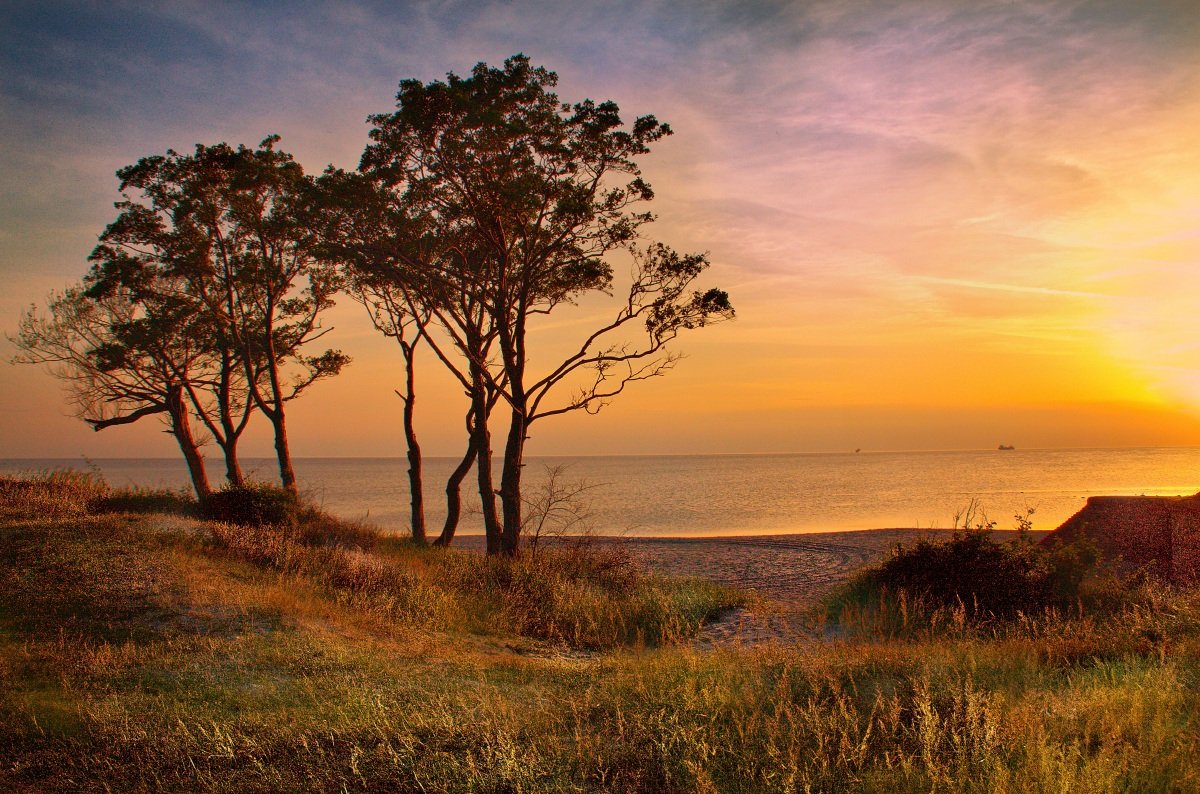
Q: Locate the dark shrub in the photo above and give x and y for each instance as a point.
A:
(987, 577)
(263, 505)
(252, 504)
(146, 500)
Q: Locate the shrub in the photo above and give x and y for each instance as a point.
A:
(986, 579)
(252, 504)
(263, 505)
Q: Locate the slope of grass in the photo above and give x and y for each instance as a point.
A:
(165, 653)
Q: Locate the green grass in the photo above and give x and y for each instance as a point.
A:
(160, 652)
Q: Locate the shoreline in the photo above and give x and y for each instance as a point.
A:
(791, 570)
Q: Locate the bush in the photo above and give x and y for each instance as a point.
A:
(262, 505)
(986, 578)
(252, 504)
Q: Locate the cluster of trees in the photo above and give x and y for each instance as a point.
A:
(203, 300)
(480, 204)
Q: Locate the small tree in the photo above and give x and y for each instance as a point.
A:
(120, 363)
(536, 197)
(391, 252)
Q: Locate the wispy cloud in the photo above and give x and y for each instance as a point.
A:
(987, 285)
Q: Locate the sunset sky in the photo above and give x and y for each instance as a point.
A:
(943, 224)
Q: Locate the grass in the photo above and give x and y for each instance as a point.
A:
(161, 652)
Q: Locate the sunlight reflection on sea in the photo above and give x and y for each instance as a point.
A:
(740, 494)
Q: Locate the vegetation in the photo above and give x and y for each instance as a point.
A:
(123, 359)
(986, 580)
(217, 238)
(481, 204)
(65, 493)
(495, 203)
(163, 652)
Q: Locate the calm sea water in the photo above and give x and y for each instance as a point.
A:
(739, 494)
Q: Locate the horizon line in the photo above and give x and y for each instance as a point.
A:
(401, 457)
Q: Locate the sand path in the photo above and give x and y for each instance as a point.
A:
(789, 572)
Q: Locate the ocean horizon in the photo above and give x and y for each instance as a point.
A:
(726, 494)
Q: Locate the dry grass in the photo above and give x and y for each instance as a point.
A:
(584, 597)
(163, 653)
(50, 494)
(64, 493)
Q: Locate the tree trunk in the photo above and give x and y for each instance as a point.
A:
(181, 428)
(483, 462)
(510, 482)
(454, 495)
(233, 469)
(487, 492)
(287, 475)
(231, 432)
(416, 487)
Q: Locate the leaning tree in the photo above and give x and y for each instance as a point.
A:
(122, 361)
(533, 200)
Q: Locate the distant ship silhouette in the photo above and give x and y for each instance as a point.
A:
(1006, 446)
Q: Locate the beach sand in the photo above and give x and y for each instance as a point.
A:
(788, 572)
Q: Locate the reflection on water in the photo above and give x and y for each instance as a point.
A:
(741, 494)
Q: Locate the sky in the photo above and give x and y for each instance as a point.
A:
(944, 225)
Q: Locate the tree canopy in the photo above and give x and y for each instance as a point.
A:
(520, 202)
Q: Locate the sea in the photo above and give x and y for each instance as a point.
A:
(714, 495)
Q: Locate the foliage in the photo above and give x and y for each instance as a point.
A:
(214, 244)
(123, 358)
(501, 204)
(972, 578)
(256, 506)
(252, 504)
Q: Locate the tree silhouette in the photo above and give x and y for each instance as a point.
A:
(390, 256)
(121, 363)
(524, 202)
(224, 228)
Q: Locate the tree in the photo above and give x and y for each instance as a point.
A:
(120, 362)
(224, 227)
(215, 384)
(528, 201)
(366, 228)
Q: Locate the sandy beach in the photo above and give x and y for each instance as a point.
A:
(788, 569)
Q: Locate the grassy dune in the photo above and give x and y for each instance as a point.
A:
(156, 651)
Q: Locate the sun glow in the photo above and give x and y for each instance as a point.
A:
(937, 227)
